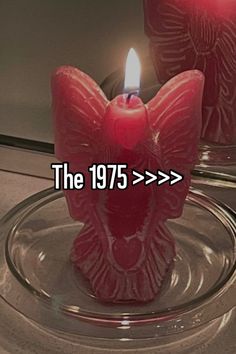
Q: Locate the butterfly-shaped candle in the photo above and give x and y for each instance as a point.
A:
(125, 249)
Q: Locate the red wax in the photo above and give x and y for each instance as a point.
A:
(125, 249)
(199, 34)
(125, 115)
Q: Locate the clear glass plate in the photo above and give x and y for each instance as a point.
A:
(38, 280)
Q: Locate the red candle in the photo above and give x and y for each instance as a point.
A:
(199, 34)
(122, 116)
(125, 249)
(127, 113)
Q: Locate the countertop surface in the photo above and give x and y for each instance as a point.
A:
(18, 335)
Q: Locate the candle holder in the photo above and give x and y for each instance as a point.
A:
(216, 161)
(38, 280)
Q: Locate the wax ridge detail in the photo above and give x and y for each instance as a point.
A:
(112, 283)
(125, 249)
(198, 35)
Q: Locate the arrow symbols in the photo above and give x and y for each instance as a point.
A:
(139, 179)
(164, 179)
(178, 177)
(148, 177)
(152, 178)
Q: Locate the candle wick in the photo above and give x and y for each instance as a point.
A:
(130, 94)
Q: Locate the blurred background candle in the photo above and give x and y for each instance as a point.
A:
(190, 34)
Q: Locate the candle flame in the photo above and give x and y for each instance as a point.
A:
(132, 72)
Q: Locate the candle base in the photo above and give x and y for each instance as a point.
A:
(38, 280)
(139, 281)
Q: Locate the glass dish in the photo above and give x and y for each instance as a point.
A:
(37, 278)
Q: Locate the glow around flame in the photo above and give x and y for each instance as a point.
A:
(132, 71)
